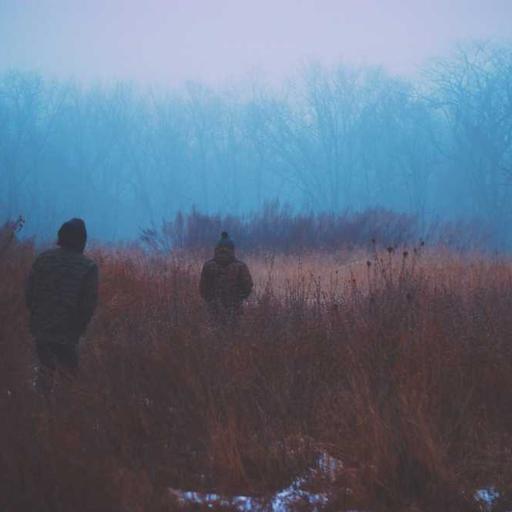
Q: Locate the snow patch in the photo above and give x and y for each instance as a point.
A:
(283, 501)
(487, 497)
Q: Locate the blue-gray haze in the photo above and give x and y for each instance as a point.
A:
(436, 142)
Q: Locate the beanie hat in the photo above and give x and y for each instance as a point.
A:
(225, 241)
(73, 235)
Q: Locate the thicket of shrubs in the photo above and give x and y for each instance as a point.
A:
(401, 367)
(278, 228)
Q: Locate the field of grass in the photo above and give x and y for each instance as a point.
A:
(397, 363)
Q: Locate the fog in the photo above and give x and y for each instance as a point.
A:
(218, 41)
(124, 115)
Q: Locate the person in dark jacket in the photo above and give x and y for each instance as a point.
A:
(61, 296)
(225, 281)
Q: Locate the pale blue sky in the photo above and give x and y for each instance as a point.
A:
(169, 41)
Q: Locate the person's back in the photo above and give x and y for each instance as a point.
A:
(61, 296)
(225, 281)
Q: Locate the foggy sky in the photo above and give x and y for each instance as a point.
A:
(216, 41)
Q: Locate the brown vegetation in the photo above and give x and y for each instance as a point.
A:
(398, 363)
(279, 228)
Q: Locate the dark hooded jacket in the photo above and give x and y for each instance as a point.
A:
(225, 280)
(62, 288)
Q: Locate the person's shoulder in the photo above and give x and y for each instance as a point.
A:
(211, 263)
(240, 263)
(86, 261)
(49, 253)
(46, 256)
(73, 257)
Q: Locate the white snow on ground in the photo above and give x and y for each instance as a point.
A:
(487, 497)
(295, 494)
(283, 501)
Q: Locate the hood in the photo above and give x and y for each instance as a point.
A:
(72, 235)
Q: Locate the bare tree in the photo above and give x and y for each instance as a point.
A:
(28, 112)
(474, 91)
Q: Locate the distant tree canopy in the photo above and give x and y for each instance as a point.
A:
(332, 140)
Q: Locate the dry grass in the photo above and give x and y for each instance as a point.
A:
(401, 368)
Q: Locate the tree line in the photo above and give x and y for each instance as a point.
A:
(331, 140)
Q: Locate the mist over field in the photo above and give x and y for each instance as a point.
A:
(357, 357)
(413, 121)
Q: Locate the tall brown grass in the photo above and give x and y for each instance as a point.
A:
(398, 364)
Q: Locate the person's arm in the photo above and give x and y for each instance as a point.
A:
(205, 283)
(29, 289)
(89, 298)
(245, 281)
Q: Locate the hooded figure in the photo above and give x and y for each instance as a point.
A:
(225, 281)
(61, 296)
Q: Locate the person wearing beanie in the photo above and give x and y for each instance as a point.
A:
(225, 281)
(61, 296)
(225, 241)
